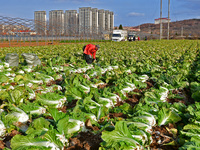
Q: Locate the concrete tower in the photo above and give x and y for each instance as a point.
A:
(95, 23)
(107, 20)
(85, 20)
(40, 22)
(71, 22)
(101, 20)
(56, 22)
(111, 21)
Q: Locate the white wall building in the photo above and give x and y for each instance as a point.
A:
(111, 20)
(101, 20)
(56, 22)
(107, 20)
(71, 22)
(88, 20)
(40, 22)
(95, 23)
(85, 20)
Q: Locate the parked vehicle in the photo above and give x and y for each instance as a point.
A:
(119, 35)
(131, 36)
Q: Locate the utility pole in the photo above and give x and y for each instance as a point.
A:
(168, 19)
(149, 29)
(160, 19)
(182, 31)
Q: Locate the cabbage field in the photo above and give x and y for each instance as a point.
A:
(135, 96)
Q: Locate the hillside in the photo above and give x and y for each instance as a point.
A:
(186, 28)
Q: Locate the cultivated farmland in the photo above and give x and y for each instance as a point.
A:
(137, 95)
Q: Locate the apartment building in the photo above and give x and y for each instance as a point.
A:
(107, 20)
(56, 22)
(111, 20)
(95, 24)
(85, 20)
(71, 24)
(40, 22)
(101, 20)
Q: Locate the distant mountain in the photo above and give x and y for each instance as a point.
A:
(186, 28)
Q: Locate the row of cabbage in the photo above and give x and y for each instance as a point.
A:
(36, 93)
(20, 87)
(24, 84)
(191, 131)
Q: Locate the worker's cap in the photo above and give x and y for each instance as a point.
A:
(98, 46)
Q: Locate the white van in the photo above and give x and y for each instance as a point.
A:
(119, 35)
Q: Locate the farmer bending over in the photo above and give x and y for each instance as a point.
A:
(89, 51)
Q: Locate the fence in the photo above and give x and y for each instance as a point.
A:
(15, 31)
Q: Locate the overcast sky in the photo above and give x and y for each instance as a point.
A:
(126, 12)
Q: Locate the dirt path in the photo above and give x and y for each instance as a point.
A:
(20, 44)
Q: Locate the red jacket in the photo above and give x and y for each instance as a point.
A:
(90, 49)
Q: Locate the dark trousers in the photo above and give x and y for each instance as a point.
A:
(88, 58)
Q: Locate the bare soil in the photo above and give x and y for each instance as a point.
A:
(6, 142)
(113, 115)
(162, 135)
(119, 103)
(150, 84)
(85, 141)
(19, 44)
(72, 104)
(101, 86)
(186, 97)
(134, 98)
(33, 43)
